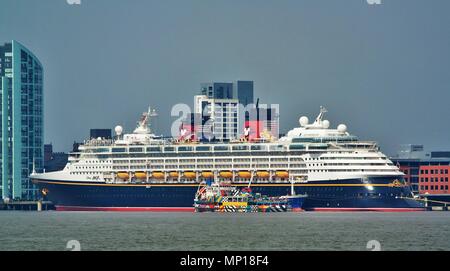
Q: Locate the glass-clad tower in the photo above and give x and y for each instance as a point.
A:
(21, 121)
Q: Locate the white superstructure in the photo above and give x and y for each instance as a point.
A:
(311, 152)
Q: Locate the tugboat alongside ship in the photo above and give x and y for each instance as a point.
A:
(143, 172)
(216, 196)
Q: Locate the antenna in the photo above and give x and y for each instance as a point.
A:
(153, 113)
(323, 110)
(144, 122)
(257, 119)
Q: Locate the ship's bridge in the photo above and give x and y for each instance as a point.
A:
(318, 131)
(142, 135)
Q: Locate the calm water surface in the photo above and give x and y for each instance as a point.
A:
(214, 231)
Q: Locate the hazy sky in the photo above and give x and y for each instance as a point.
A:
(384, 70)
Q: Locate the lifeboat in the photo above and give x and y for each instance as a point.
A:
(123, 175)
(245, 174)
(226, 174)
(140, 175)
(190, 174)
(174, 174)
(263, 174)
(282, 174)
(207, 174)
(158, 175)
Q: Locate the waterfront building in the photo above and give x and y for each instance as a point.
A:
(57, 162)
(217, 90)
(408, 160)
(48, 152)
(21, 121)
(240, 89)
(221, 115)
(426, 172)
(219, 106)
(434, 179)
(243, 91)
(54, 161)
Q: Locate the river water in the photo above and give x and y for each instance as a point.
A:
(52, 230)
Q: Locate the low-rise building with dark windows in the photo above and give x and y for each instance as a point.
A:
(428, 173)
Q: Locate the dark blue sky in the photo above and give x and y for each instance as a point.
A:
(384, 70)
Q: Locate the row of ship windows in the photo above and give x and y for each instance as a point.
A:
(198, 154)
(126, 161)
(348, 164)
(159, 149)
(315, 171)
(351, 158)
(280, 159)
(281, 166)
(143, 163)
(350, 170)
(185, 164)
(190, 162)
(345, 158)
(95, 167)
(362, 170)
(99, 161)
(85, 173)
(193, 160)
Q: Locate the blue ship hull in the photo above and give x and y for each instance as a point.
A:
(383, 194)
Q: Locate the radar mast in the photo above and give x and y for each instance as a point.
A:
(319, 118)
(143, 126)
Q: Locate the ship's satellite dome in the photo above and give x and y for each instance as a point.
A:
(342, 128)
(326, 124)
(118, 130)
(303, 121)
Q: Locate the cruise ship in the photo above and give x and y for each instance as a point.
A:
(143, 172)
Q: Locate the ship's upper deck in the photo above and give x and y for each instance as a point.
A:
(308, 137)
